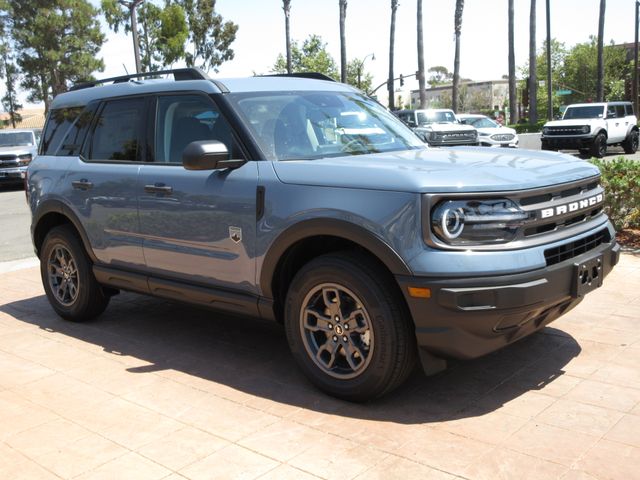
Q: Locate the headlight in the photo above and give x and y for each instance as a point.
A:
(545, 130)
(433, 136)
(24, 159)
(477, 222)
(586, 129)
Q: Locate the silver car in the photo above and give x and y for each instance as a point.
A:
(17, 149)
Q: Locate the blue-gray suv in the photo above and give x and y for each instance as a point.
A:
(303, 201)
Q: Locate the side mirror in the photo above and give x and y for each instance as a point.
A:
(208, 155)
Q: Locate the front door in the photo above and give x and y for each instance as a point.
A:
(198, 226)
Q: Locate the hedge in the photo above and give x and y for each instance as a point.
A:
(621, 182)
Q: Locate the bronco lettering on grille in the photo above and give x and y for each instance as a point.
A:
(571, 207)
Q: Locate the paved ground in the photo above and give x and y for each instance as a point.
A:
(156, 390)
(15, 242)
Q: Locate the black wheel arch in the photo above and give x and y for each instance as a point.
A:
(307, 230)
(52, 213)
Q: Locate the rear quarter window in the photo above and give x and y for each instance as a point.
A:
(58, 124)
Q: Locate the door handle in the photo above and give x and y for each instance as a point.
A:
(82, 184)
(159, 188)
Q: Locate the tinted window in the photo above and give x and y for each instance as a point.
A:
(629, 109)
(182, 119)
(116, 131)
(583, 112)
(57, 127)
(16, 139)
(73, 141)
(620, 113)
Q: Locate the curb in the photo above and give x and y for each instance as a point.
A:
(23, 263)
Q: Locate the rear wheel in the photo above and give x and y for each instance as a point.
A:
(348, 328)
(599, 146)
(630, 144)
(67, 277)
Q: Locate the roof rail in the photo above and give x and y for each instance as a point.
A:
(312, 75)
(179, 74)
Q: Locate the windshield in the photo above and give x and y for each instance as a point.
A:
(583, 112)
(312, 125)
(479, 122)
(16, 139)
(425, 118)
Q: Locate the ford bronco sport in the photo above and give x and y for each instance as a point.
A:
(303, 201)
(591, 127)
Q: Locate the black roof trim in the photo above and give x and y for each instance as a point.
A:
(179, 74)
(311, 75)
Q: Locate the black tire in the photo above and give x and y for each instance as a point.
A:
(67, 277)
(584, 152)
(356, 284)
(599, 146)
(630, 143)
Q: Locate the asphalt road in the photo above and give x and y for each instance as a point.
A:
(15, 220)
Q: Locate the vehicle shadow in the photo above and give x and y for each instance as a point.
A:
(11, 187)
(252, 356)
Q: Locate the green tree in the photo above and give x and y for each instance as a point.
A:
(9, 72)
(56, 44)
(210, 36)
(312, 56)
(439, 76)
(457, 30)
(357, 77)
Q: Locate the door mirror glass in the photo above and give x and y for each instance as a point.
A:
(205, 155)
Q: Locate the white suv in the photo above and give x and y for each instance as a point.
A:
(439, 127)
(591, 127)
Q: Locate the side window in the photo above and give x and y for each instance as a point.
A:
(117, 130)
(629, 109)
(620, 112)
(611, 112)
(57, 127)
(182, 119)
(73, 141)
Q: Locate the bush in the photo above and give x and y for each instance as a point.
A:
(621, 182)
(528, 127)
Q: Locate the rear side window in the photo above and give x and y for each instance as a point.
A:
(620, 112)
(58, 124)
(116, 134)
(72, 143)
(629, 109)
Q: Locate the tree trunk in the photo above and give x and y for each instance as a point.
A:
(533, 68)
(134, 34)
(287, 32)
(421, 76)
(600, 74)
(457, 25)
(343, 42)
(391, 90)
(513, 97)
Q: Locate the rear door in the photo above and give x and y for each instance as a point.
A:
(616, 123)
(198, 226)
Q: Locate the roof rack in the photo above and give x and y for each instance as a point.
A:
(179, 74)
(312, 75)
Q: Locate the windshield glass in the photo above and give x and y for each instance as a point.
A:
(583, 112)
(16, 139)
(311, 125)
(425, 118)
(479, 122)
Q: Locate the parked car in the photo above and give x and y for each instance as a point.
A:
(17, 150)
(592, 127)
(305, 202)
(439, 127)
(490, 132)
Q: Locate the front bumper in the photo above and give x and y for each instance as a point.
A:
(16, 174)
(468, 318)
(568, 143)
(487, 141)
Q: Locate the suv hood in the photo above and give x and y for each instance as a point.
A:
(17, 150)
(574, 122)
(472, 169)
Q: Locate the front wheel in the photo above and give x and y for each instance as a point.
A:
(599, 147)
(67, 277)
(348, 328)
(630, 144)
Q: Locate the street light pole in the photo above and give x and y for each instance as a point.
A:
(549, 89)
(361, 67)
(635, 62)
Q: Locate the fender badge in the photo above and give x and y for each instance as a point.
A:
(235, 234)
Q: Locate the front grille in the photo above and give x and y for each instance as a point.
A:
(575, 248)
(8, 161)
(456, 136)
(577, 130)
(8, 157)
(506, 137)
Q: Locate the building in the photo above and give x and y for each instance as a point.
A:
(31, 118)
(475, 97)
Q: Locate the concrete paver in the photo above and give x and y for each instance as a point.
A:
(158, 390)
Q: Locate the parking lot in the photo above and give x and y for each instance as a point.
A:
(160, 390)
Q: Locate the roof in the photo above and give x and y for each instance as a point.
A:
(599, 104)
(83, 96)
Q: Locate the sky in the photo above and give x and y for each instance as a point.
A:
(484, 46)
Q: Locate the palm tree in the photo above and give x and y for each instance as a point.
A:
(390, 89)
(343, 42)
(513, 98)
(421, 79)
(600, 75)
(286, 6)
(457, 26)
(533, 73)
